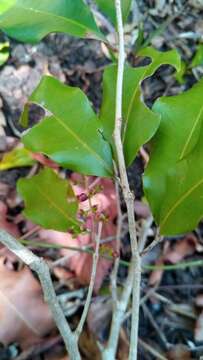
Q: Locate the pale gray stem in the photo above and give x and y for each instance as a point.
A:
(92, 282)
(41, 268)
(151, 350)
(134, 276)
(146, 225)
(109, 353)
(103, 21)
(118, 244)
(158, 239)
(128, 195)
(119, 310)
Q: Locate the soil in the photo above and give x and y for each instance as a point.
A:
(80, 63)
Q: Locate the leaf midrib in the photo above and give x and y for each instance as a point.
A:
(184, 196)
(179, 201)
(132, 101)
(83, 27)
(87, 147)
(191, 133)
(50, 201)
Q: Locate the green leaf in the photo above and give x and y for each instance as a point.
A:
(108, 8)
(4, 52)
(159, 58)
(198, 57)
(72, 136)
(180, 75)
(140, 38)
(31, 20)
(140, 123)
(49, 201)
(17, 157)
(5, 5)
(173, 180)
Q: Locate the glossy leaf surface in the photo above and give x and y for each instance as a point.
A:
(108, 8)
(174, 178)
(30, 21)
(49, 201)
(140, 123)
(72, 136)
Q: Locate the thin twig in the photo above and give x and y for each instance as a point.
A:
(158, 239)
(146, 225)
(39, 349)
(92, 215)
(103, 21)
(134, 275)
(41, 268)
(151, 350)
(30, 232)
(128, 195)
(119, 311)
(118, 245)
(181, 265)
(155, 326)
(92, 282)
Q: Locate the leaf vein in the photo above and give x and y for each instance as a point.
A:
(191, 133)
(179, 201)
(87, 147)
(67, 217)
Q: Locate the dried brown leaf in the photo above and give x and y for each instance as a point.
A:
(24, 316)
(182, 248)
(179, 352)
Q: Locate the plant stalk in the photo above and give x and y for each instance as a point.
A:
(134, 276)
(42, 270)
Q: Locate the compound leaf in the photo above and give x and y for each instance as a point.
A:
(49, 201)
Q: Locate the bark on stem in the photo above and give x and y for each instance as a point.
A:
(128, 195)
(42, 270)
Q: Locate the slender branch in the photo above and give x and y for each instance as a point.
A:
(118, 245)
(41, 268)
(134, 275)
(158, 239)
(92, 282)
(128, 195)
(158, 330)
(180, 265)
(119, 305)
(146, 225)
(30, 232)
(103, 21)
(152, 350)
(119, 310)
